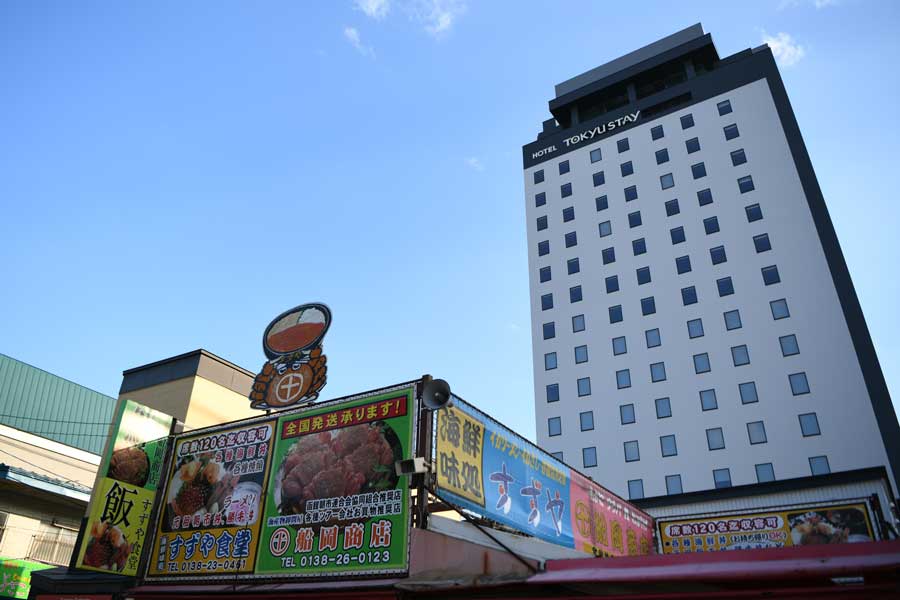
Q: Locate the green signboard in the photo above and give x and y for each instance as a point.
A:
(15, 577)
(333, 503)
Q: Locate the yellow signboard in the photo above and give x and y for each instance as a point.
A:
(460, 443)
(798, 526)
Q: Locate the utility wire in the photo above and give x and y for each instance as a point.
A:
(55, 420)
(55, 475)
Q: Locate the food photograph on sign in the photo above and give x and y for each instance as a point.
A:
(335, 503)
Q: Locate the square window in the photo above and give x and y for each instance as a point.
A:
(732, 319)
(572, 266)
(770, 275)
(704, 197)
(539, 176)
(627, 168)
(586, 420)
(544, 274)
(565, 190)
(577, 323)
(540, 199)
(543, 248)
(689, 295)
(605, 229)
(695, 328)
(602, 203)
(546, 301)
(687, 121)
(717, 255)
(726, 287)
(667, 445)
(557, 455)
(612, 284)
(564, 167)
(648, 306)
(584, 386)
(589, 457)
(596, 155)
(779, 309)
(711, 225)
(683, 264)
(708, 400)
(571, 239)
(550, 361)
(634, 219)
(609, 255)
(554, 426)
(789, 346)
(722, 478)
(639, 246)
(701, 363)
(553, 392)
(738, 157)
(715, 439)
(677, 234)
(745, 184)
(809, 424)
(666, 181)
(765, 473)
(619, 345)
(549, 330)
(623, 379)
(656, 132)
(662, 156)
(748, 392)
(657, 372)
(575, 294)
(818, 465)
(672, 208)
(698, 170)
(631, 193)
(740, 355)
(761, 243)
(692, 145)
(541, 223)
(632, 451)
(599, 178)
(626, 414)
(635, 489)
(756, 432)
(652, 338)
(615, 314)
(643, 275)
(568, 214)
(799, 383)
(724, 107)
(622, 145)
(663, 408)
(581, 354)
(731, 131)
(754, 213)
(673, 484)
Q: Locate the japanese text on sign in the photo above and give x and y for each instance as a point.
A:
(347, 417)
(459, 449)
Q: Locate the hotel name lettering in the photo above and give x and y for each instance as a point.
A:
(589, 134)
(460, 444)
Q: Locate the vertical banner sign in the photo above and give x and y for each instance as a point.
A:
(123, 497)
(796, 526)
(487, 468)
(335, 504)
(210, 518)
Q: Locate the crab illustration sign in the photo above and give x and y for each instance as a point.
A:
(295, 371)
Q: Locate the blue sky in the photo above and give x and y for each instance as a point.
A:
(173, 175)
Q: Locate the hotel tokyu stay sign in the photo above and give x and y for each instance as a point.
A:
(588, 134)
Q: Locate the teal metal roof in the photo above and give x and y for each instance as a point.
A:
(44, 404)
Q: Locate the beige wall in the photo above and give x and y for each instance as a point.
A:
(40, 455)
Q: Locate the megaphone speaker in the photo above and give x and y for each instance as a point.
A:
(436, 395)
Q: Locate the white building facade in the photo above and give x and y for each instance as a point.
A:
(694, 325)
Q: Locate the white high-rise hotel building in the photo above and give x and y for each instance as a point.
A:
(694, 323)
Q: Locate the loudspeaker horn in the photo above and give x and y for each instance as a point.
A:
(436, 395)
